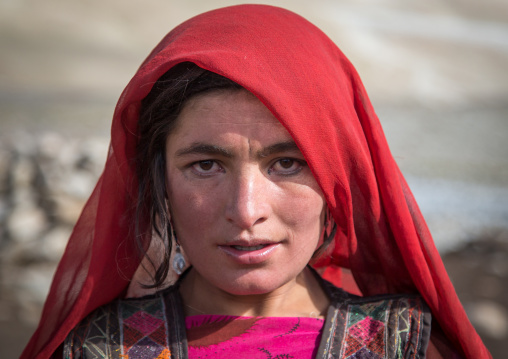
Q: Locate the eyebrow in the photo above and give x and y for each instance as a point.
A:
(208, 149)
(204, 148)
(288, 146)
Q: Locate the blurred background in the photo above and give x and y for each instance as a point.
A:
(436, 71)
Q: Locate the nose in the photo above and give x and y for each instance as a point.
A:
(249, 203)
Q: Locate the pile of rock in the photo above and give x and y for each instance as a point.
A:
(44, 183)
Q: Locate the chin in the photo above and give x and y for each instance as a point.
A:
(253, 284)
(249, 290)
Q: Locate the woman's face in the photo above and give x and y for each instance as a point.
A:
(246, 209)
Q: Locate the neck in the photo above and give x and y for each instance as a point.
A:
(301, 297)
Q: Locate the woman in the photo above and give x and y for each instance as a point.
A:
(282, 152)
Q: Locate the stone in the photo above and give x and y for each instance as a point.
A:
(68, 208)
(22, 172)
(52, 245)
(48, 249)
(26, 223)
(94, 150)
(23, 197)
(489, 318)
(50, 145)
(78, 184)
(31, 286)
(5, 163)
(4, 209)
(51, 173)
(68, 155)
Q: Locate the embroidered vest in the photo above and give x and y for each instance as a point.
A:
(387, 326)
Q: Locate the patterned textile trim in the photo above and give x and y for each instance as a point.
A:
(143, 330)
(366, 330)
(410, 330)
(388, 326)
(383, 326)
(97, 336)
(125, 329)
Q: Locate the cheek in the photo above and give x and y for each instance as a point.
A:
(303, 213)
(192, 208)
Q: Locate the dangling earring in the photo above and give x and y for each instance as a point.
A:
(178, 260)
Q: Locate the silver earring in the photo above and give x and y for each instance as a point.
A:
(178, 260)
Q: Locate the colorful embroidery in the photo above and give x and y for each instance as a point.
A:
(97, 336)
(143, 329)
(365, 331)
(384, 327)
(409, 329)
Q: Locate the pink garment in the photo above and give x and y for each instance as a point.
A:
(252, 337)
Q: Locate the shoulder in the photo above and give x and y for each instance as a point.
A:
(110, 329)
(392, 326)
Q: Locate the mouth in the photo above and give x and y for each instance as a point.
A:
(250, 248)
(250, 253)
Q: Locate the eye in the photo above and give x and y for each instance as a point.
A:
(286, 166)
(206, 167)
(286, 163)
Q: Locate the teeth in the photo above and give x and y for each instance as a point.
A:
(251, 248)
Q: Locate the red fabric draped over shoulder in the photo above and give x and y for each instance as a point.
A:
(315, 92)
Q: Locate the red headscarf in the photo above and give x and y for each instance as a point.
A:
(314, 91)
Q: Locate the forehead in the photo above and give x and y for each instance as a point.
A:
(224, 114)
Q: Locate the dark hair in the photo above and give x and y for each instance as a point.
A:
(157, 119)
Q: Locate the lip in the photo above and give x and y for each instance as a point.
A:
(254, 256)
